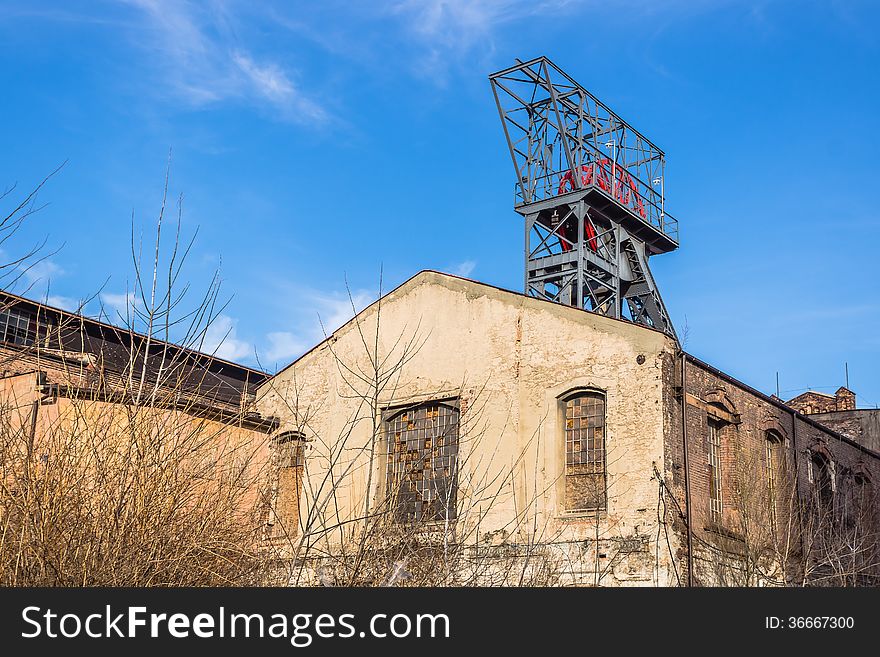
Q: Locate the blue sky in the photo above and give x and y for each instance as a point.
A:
(315, 142)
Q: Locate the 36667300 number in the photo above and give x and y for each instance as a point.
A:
(809, 622)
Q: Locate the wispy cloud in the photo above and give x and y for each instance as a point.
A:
(222, 341)
(220, 338)
(270, 82)
(459, 29)
(65, 303)
(317, 315)
(457, 23)
(444, 33)
(116, 306)
(202, 61)
(465, 268)
(336, 309)
(284, 346)
(42, 271)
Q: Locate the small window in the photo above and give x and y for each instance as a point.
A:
(288, 456)
(14, 327)
(856, 507)
(422, 461)
(585, 476)
(862, 487)
(715, 496)
(823, 484)
(862, 499)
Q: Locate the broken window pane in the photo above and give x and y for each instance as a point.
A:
(422, 475)
(585, 452)
(14, 327)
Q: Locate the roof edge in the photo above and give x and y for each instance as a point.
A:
(112, 327)
(425, 273)
(780, 405)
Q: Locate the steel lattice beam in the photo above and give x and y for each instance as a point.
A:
(590, 189)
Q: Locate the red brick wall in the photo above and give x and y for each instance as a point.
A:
(744, 447)
(816, 402)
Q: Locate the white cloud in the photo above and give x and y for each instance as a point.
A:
(334, 310)
(318, 315)
(452, 22)
(284, 346)
(202, 61)
(221, 340)
(459, 29)
(42, 271)
(465, 268)
(462, 32)
(65, 303)
(117, 306)
(273, 84)
(267, 80)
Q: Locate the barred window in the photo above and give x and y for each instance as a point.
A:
(14, 327)
(585, 483)
(422, 476)
(288, 455)
(715, 501)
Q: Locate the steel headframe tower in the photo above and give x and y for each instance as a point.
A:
(591, 190)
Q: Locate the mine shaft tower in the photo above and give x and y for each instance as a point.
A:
(591, 190)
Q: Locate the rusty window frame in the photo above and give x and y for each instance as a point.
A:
(421, 449)
(585, 451)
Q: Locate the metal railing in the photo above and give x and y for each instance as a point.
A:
(615, 182)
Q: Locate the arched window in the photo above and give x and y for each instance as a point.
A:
(823, 483)
(287, 455)
(774, 452)
(585, 481)
(862, 500)
(422, 461)
(721, 415)
(715, 481)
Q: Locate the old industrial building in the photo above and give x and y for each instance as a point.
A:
(454, 433)
(839, 412)
(74, 391)
(552, 431)
(464, 434)
(65, 354)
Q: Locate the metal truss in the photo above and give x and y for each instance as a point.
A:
(590, 188)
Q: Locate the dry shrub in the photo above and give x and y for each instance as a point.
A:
(116, 495)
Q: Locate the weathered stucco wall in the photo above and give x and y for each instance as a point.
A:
(508, 358)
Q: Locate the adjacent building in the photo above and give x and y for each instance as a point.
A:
(839, 412)
(70, 384)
